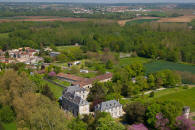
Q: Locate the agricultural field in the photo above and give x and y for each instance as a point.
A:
(181, 19)
(139, 21)
(160, 65)
(44, 19)
(130, 60)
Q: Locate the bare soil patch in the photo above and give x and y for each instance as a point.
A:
(45, 18)
(182, 19)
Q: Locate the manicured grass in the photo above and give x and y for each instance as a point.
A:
(57, 90)
(186, 96)
(141, 21)
(10, 126)
(160, 65)
(130, 60)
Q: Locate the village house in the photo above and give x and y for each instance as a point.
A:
(73, 100)
(112, 106)
(54, 54)
(25, 55)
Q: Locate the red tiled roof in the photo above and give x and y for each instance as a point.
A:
(71, 77)
(91, 80)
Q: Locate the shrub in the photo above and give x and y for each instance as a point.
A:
(6, 114)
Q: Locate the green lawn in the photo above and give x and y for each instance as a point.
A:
(186, 96)
(67, 48)
(130, 60)
(10, 126)
(64, 83)
(160, 65)
(57, 90)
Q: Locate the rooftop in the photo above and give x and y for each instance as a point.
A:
(73, 89)
(74, 99)
(108, 104)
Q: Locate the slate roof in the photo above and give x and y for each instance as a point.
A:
(74, 99)
(108, 105)
(73, 89)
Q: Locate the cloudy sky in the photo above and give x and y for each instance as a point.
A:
(104, 1)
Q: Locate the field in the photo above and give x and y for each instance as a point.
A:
(130, 60)
(67, 48)
(180, 19)
(42, 19)
(123, 22)
(160, 65)
(141, 21)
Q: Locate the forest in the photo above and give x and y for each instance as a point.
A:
(167, 41)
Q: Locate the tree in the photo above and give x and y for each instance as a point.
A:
(137, 127)
(14, 85)
(183, 123)
(35, 111)
(47, 92)
(109, 64)
(161, 122)
(151, 113)
(151, 94)
(78, 124)
(107, 123)
(135, 113)
(151, 81)
(6, 114)
(75, 69)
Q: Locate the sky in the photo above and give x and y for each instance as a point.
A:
(106, 1)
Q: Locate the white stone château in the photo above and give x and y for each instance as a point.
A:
(73, 100)
(112, 106)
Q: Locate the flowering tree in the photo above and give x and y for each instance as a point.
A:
(52, 74)
(161, 122)
(138, 127)
(184, 123)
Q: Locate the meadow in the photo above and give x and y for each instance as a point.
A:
(160, 65)
(139, 21)
(185, 96)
